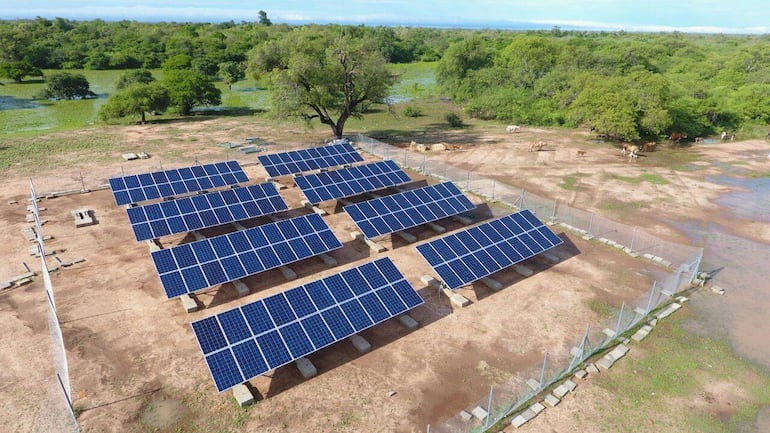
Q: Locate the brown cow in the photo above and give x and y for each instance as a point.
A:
(537, 147)
(649, 146)
(580, 154)
(676, 137)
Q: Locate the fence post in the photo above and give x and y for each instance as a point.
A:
(493, 190)
(468, 183)
(542, 372)
(66, 396)
(696, 269)
(581, 349)
(489, 406)
(633, 238)
(553, 212)
(652, 293)
(590, 224)
(521, 199)
(620, 318)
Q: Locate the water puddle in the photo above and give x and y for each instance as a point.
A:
(750, 202)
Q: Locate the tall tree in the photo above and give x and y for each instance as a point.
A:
(136, 98)
(188, 89)
(66, 85)
(318, 75)
(134, 76)
(232, 72)
(16, 71)
(264, 20)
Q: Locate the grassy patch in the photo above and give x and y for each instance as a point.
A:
(570, 183)
(627, 179)
(654, 179)
(600, 307)
(676, 366)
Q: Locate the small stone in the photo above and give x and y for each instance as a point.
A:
(392, 393)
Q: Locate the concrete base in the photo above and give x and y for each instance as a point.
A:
(306, 368)
(188, 303)
(238, 226)
(278, 185)
(523, 270)
(565, 388)
(492, 284)
(242, 395)
(408, 322)
(198, 236)
(642, 333)
(430, 281)
(465, 416)
(480, 413)
(374, 246)
(328, 260)
(551, 400)
(551, 257)
(668, 311)
(288, 273)
(83, 217)
(153, 245)
(591, 369)
(608, 332)
(462, 220)
(437, 228)
(241, 288)
(580, 374)
(532, 383)
(457, 299)
(361, 345)
(314, 208)
(410, 239)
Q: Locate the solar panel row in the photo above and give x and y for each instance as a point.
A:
(475, 253)
(205, 210)
(408, 209)
(195, 266)
(298, 161)
(250, 340)
(350, 181)
(160, 184)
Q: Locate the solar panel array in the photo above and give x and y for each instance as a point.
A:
(298, 161)
(408, 209)
(475, 253)
(247, 341)
(205, 210)
(350, 181)
(197, 265)
(160, 184)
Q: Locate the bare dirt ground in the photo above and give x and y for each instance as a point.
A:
(134, 362)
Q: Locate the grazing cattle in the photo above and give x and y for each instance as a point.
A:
(723, 137)
(631, 150)
(580, 154)
(732, 137)
(699, 139)
(513, 128)
(649, 146)
(536, 146)
(676, 137)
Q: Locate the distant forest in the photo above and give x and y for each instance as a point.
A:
(630, 86)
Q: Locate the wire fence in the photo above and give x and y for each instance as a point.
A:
(681, 261)
(56, 412)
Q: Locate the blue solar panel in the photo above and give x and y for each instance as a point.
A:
(298, 161)
(204, 210)
(475, 253)
(195, 266)
(247, 341)
(160, 184)
(350, 181)
(408, 209)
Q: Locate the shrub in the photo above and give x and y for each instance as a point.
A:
(454, 120)
(412, 111)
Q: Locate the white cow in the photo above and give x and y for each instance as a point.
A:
(513, 128)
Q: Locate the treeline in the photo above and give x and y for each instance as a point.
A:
(626, 86)
(65, 44)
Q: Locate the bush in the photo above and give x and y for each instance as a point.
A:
(454, 120)
(412, 111)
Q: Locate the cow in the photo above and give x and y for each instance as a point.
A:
(699, 139)
(580, 154)
(537, 146)
(723, 137)
(631, 150)
(676, 137)
(649, 146)
(513, 128)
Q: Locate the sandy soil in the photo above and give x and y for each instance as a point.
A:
(133, 358)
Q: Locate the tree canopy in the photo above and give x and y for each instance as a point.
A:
(188, 88)
(67, 85)
(323, 75)
(16, 71)
(136, 98)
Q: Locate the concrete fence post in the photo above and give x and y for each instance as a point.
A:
(489, 407)
(620, 318)
(590, 224)
(649, 301)
(542, 371)
(521, 199)
(493, 190)
(468, 182)
(633, 238)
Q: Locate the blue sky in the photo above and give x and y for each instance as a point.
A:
(712, 16)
